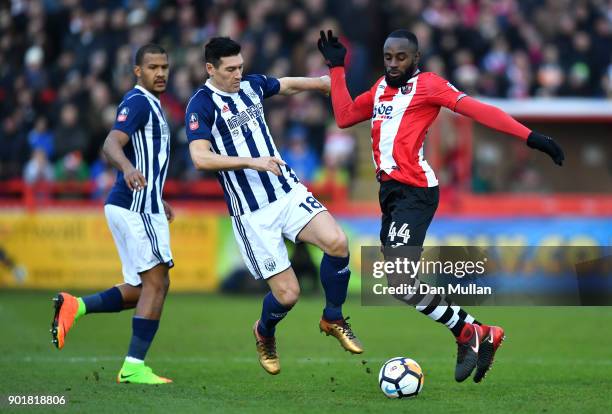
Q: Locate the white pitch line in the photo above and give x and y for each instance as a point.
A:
(83, 359)
(303, 360)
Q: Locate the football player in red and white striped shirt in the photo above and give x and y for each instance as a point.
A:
(401, 107)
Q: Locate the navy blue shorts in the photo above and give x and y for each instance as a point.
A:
(406, 213)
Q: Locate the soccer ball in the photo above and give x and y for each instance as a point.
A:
(401, 378)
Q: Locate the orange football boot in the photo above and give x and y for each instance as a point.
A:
(66, 307)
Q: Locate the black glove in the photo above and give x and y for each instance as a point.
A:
(332, 50)
(547, 145)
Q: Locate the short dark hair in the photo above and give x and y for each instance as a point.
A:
(405, 34)
(149, 48)
(220, 47)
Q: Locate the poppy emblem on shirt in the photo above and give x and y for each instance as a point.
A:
(225, 109)
(193, 121)
(123, 114)
(406, 89)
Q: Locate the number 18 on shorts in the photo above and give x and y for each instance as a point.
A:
(260, 234)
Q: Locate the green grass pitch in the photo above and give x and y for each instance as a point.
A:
(554, 360)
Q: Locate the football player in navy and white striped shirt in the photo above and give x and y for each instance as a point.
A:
(139, 147)
(227, 133)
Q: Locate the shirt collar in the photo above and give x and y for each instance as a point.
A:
(416, 72)
(210, 85)
(149, 94)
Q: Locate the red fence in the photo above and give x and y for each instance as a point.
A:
(208, 195)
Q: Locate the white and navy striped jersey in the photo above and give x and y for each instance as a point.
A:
(141, 117)
(234, 124)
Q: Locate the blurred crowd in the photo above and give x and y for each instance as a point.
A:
(67, 63)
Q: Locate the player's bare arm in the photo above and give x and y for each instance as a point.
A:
(113, 149)
(293, 85)
(205, 159)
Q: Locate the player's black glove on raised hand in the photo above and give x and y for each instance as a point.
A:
(547, 145)
(332, 50)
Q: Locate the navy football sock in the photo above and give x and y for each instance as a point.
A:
(272, 312)
(108, 301)
(143, 332)
(335, 275)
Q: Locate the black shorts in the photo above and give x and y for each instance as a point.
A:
(406, 213)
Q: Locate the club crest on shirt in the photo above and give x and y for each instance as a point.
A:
(123, 114)
(406, 89)
(252, 95)
(193, 121)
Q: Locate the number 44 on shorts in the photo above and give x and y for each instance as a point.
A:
(403, 232)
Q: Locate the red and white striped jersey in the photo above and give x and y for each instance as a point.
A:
(400, 118)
